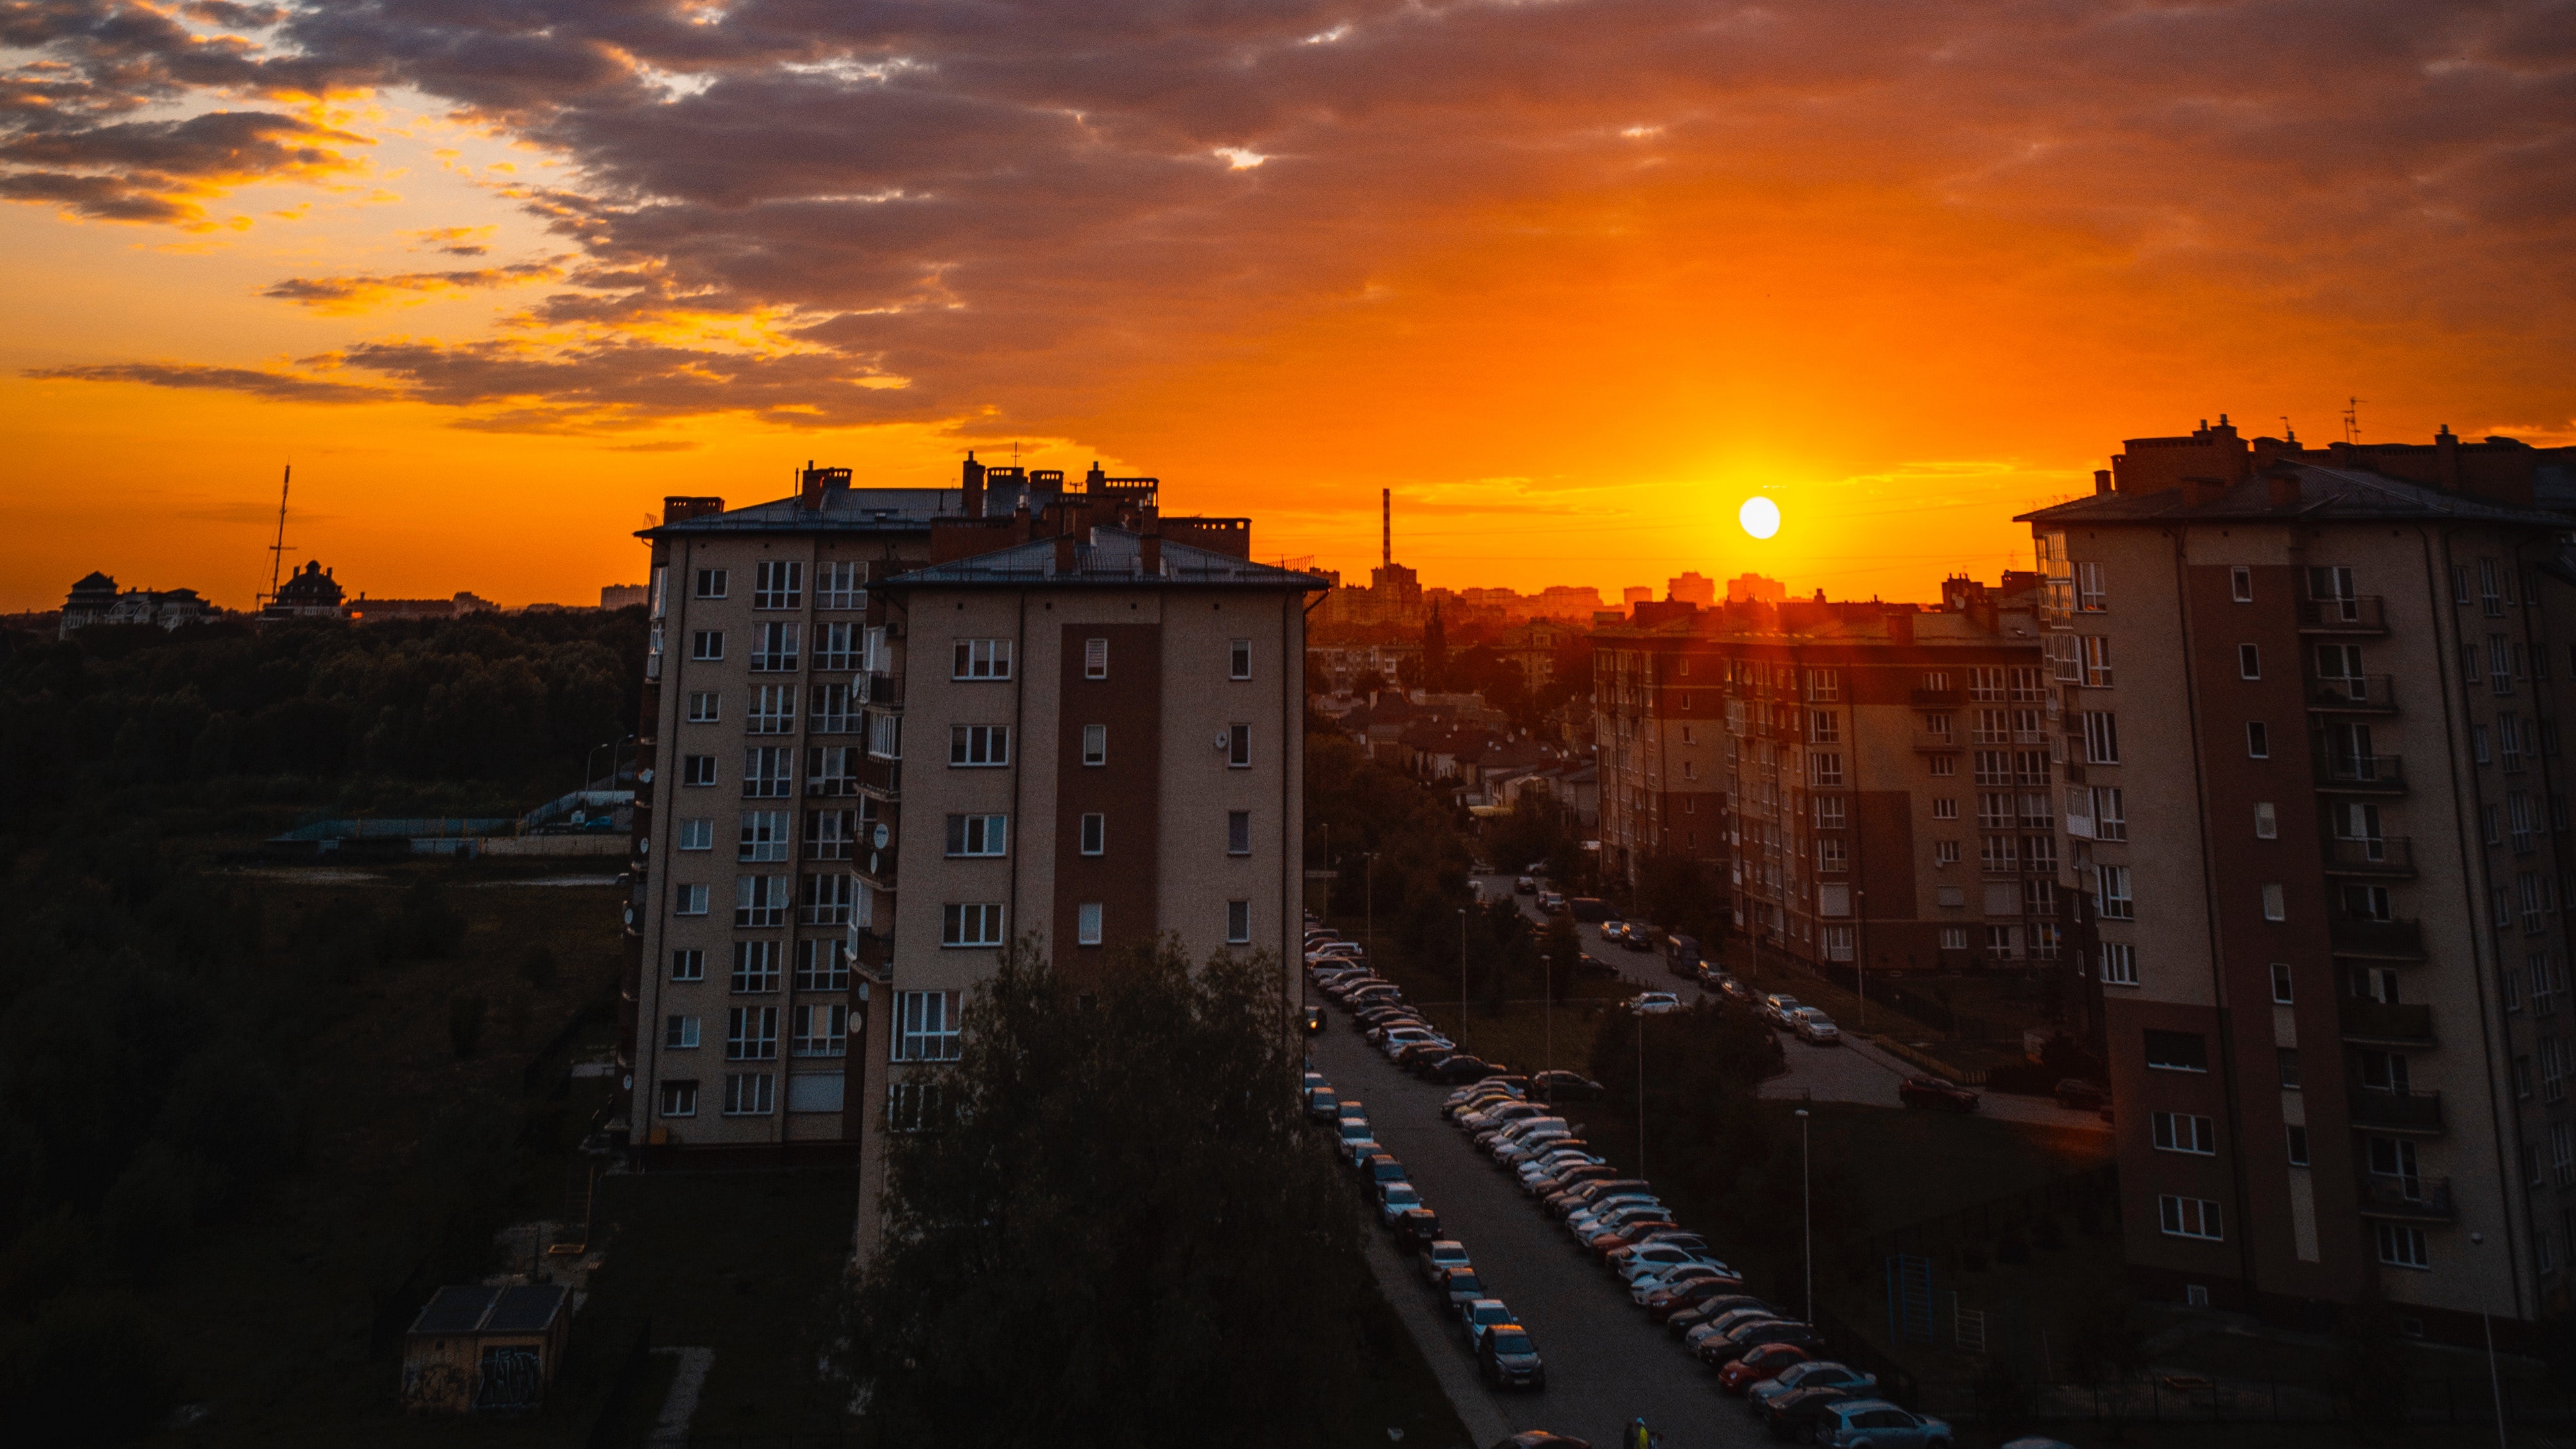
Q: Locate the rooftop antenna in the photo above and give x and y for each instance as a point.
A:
(2288, 434)
(2352, 420)
(277, 550)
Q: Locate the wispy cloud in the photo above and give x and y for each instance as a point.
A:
(344, 295)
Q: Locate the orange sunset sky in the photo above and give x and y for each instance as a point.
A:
(1573, 278)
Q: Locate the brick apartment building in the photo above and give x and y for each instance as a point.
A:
(1871, 776)
(1099, 707)
(2312, 703)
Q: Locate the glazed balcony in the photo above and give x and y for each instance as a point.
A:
(2385, 1023)
(2361, 774)
(2407, 1199)
(2398, 940)
(2363, 615)
(2353, 694)
(2413, 1112)
(2389, 855)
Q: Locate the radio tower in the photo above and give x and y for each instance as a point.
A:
(277, 550)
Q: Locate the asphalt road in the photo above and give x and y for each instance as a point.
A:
(1851, 1072)
(1606, 1361)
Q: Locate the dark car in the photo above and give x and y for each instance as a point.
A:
(1564, 1086)
(1587, 964)
(1416, 1227)
(1422, 1054)
(1601, 1243)
(1458, 1068)
(1382, 1167)
(1671, 1302)
(1508, 1359)
(1726, 1348)
(1590, 908)
(1933, 1092)
(1710, 1309)
(2082, 1095)
(1795, 1414)
(1682, 955)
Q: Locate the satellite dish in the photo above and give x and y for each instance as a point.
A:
(882, 835)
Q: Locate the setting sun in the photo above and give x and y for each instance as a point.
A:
(1760, 517)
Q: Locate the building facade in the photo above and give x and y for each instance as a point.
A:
(1087, 714)
(1878, 779)
(2311, 703)
(96, 600)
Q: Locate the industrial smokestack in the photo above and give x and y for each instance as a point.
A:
(1386, 526)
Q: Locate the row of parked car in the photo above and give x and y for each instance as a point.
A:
(1505, 1355)
(1756, 1349)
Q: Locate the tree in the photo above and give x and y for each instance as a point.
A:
(1116, 1229)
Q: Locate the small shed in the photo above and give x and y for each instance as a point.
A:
(485, 1350)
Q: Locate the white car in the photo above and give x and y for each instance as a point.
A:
(1551, 1163)
(1654, 1258)
(1405, 1036)
(1393, 1198)
(1814, 1027)
(1645, 1288)
(1483, 1313)
(1654, 1003)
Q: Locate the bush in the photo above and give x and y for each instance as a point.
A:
(465, 1013)
(86, 1371)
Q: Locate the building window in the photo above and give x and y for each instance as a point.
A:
(2092, 595)
(768, 772)
(1095, 745)
(1831, 858)
(2182, 1132)
(706, 645)
(1944, 807)
(2288, 1060)
(2403, 1247)
(1826, 770)
(1086, 924)
(2258, 740)
(706, 707)
(835, 710)
(1999, 942)
(2249, 662)
(774, 647)
(1824, 685)
(1095, 659)
(1954, 938)
(2110, 813)
(2562, 1153)
(2281, 982)
(979, 746)
(1824, 726)
(751, 1094)
(2177, 1051)
(2119, 964)
(2097, 661)
(1238, 747)
(2101, 738)
(773, 710)
(778, 584)
(2189, 1217)
(690, 900)
(1238, 659)
(2240, 584)
(837, 586)
(1985, 684)
(822, 966)
(711, 583)
(679, 1099)
(1095, 834)
(1238, 832)
(2275, 904)
(759, 901)
(978, 834)
(2115, 904)
(2267, 821)
(2490, 589)
(764, 836)
(689, 964)
(1238, 923)
(751, 1033)
(1838, 943)
(926, 1026)
(697, 769)
(1997, 855)
(837, 645)
(755, 967)
(2298, 1145)
(697, 834)
(821, 1031)
(982, 659)
(831, 771)
(1945, 852)
(827, 900)
(973, 923)
(680, 1033)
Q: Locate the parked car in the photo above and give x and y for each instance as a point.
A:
(1354, 1131)
(1395, 1199)
(1799, 1414)
(1481, 1314)
(1713, 977)
(1775, 1008)
(1713, 1308)
(1638, 936)
(1508, 1359)
(1357, 1153)
(1881, 1425)
(1441, 1255)
(1686, 1299)
(1662, 1250)
(1320, 1104)
(1382, 1168)
(2082, 1095)
(1653, 1003)
(1931, 1092)
(1591, 908)
(1735, 990)
(1461, 1287)
(1682, 955)
(1723, 1349)
(1814, 1373)
(1550, 903)
(1459, 1067)
(1564, 1086)
(1753, 1310)
(1760, 1366)
(1417, 1226)
(1541, 1439)
(1651, 1284)
(1629, 1232)
(1587, 964)
(1814, 1027)
(1525, 886)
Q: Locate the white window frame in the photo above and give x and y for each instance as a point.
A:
(751, 1094)
(970, 925)
(927, 1026)
(2119, 964)
(979, 747)
(688, 963)
(689, 900)
(820, 1030)
(679, 1032)
(981, 659)
(1238, 747)
(679, 1098)
(1094, 838)
(698, 833)
(1238, 923)
(1086, 923)
(1238, 659)
(712, 583)
(751, 1033)
(706, 706)
(978, 837)
(2183, 1132)
(1095, 745)
(2190, 1217)
(1238, 832)
(778, 584)
(2116, 902)
(1095, 658)
(755, 968)
(763, 836)
(706, 646)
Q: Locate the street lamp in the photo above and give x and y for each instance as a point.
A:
(1860, 950)
(1462, 978)
(1547, 1003)
(1641, 1093)
(2495, 1384)
(1807, 1212)
(1370, 884)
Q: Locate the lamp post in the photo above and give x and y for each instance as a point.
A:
(2495, 1383)
(1860, 950)
(1807, 1213)
(1641, 1093)
(1462, 978)
(1370, 894)
(1547, 1004)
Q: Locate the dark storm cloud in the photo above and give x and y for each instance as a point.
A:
(286, 387)
(994, 200)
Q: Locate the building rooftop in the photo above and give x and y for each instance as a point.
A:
(2287, 491)
(1105, 557)
(834, 509)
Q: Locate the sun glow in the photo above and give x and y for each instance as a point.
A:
(1760, 517)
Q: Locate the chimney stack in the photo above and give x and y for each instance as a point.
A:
(1386, 527)
(1063, 553)
(974, 483)
(2101, 480)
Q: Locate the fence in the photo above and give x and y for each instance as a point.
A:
(1947, 1071)
(2178, 1399)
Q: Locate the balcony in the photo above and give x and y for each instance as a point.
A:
(880, 779)
(2386, 1023)
(2407, 1199)
(2361, 774)
(882, 691)
(1938, 698)
(2389, 855)
(1932, 744)
(2353, 694)
(2419, 1112)
(2361, 615)
(2377, 940)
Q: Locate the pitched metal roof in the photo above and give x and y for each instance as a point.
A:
(2332, 494)
(1105, 557)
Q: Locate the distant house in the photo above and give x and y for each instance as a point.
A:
(485, 1350)
(309, 593)
(621, 596)
(96, 600)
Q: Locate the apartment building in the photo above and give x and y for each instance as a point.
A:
(1101, 708)
(1877, 778)
(2311, 703)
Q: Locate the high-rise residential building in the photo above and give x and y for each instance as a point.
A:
(894, 730)
(2311, 702)
(1878, 778)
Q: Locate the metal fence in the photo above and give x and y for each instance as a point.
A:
(2180, 1399)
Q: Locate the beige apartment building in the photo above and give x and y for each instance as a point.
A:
(2312, 702)
(1879, 780)
(1086, 714)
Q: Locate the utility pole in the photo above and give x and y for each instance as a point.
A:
(1370, 885)
(1641, 1094)
(1860, 950)
(1547, 1004)
(277, 550)
(1807, 1211)
(1462, 978)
